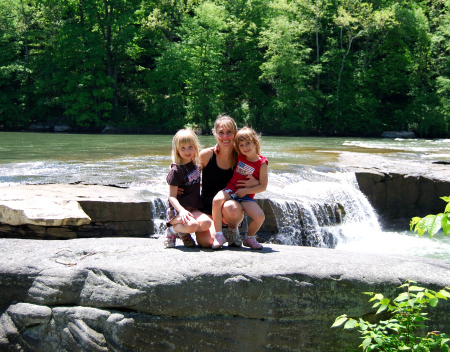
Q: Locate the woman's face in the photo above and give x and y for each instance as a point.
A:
(224, 136)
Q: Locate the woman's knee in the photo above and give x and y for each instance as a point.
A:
(204, 224)
(232, 211)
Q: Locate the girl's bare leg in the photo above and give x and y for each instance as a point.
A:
(188, 227)
(206, 238)
(254, 211)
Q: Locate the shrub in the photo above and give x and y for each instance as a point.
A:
(404, 330)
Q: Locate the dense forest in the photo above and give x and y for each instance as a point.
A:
(295, 67)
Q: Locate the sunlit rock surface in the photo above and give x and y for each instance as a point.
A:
(71, 211)
(132, 294)
(400, 190)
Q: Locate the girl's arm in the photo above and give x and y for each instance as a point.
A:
(183, 213)
(263, 181)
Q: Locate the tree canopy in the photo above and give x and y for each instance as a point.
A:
(296, 67)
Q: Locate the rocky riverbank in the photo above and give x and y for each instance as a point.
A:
(132, 294)
(399, 191)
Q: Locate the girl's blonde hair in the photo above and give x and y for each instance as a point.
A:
(228, 123)
(247, 134)
(185, 136)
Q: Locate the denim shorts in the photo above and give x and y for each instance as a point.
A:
(236, 198)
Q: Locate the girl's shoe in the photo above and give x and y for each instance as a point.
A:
(234, 238)
(188, 241)
(219, 240)
(250, 241)
(170, 239)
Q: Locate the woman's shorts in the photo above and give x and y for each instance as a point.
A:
(171, 214)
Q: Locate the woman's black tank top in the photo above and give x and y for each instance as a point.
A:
(214, 179)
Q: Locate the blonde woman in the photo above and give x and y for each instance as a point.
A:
(250, 162)
(217, 165)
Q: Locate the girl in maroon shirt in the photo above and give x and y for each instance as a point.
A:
(183, 215)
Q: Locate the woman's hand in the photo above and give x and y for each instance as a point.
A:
(249, 183)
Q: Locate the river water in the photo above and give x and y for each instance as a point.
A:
(303, 179)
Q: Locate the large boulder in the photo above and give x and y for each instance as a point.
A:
(71, 211)
(399, 190)
(398, 134)
(132, 294)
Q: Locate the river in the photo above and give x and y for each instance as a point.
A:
(302, 172)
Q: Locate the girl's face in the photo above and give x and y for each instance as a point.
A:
(186, 151)
(247, 148)
(225, 137)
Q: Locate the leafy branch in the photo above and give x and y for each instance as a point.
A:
(399, 333)
(433, 223)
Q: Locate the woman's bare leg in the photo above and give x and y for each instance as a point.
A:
(232, 213)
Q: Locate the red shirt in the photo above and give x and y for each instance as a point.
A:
(245, 167)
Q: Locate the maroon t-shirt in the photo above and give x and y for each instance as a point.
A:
(186, 177)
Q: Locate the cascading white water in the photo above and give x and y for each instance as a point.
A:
(317, 208)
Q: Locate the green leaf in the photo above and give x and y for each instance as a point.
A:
(366, 343)
(416, 288)
(433, 302)
(443, 294)
(445, 223)
(382, 308)
(339, 321)
(350, 324)
(385, 301)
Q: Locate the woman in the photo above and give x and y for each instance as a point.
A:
(217, 164)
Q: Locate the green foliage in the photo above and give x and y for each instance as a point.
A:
(282, 66)
(403, 331)
(433, 223)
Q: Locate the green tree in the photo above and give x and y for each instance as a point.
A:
(354, 19)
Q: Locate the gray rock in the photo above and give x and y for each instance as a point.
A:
(132, 294)
(39, 127)
(62, 128)
(398, 134)
(70, 211)
(399, 190)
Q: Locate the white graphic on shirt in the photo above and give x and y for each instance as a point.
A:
(193, 177)
(244, 169)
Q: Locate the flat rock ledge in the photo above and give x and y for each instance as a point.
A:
(70, 211)
(400, 190)
(132, 294)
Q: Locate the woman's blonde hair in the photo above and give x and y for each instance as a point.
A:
(247, 134)
(228, 123)
(185, 136)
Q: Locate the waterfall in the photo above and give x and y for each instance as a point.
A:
(158, 208)
(308, 208)
(323, 211)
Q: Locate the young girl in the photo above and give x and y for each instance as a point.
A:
(183, 216)
(246, 143)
